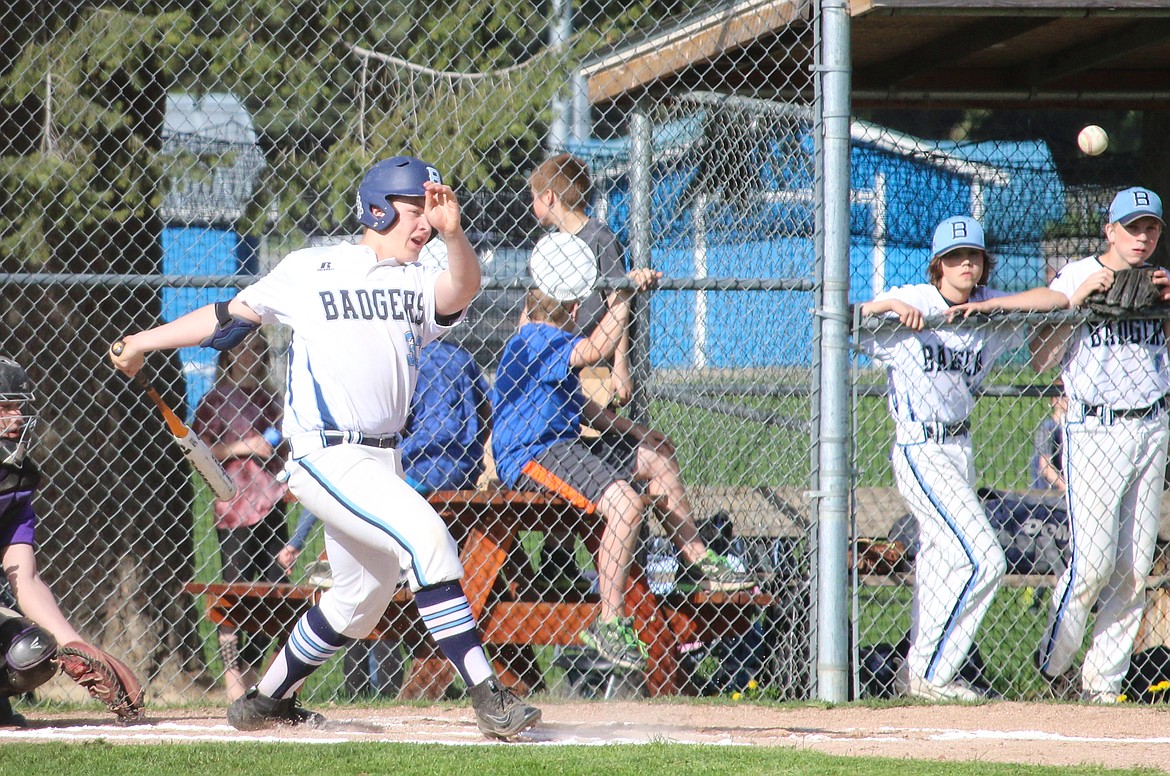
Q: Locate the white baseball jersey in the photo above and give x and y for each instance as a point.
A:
(358, 325)
(1116, 364)
(934, 374)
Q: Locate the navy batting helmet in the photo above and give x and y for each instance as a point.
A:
(400, 176)
(15, 430)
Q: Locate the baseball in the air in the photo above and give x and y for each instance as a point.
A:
(1093, 140)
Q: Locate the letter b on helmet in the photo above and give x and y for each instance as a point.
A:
(400, 176)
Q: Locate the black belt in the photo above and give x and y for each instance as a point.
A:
(1101, 411)
(380, 441)
(937, 430)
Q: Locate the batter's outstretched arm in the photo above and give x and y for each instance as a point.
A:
(185, 331)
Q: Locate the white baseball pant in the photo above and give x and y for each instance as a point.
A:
(1115, 469)
(377, 529)
(960, 562)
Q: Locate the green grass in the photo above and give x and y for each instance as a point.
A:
(105, 759)
(1007, 639)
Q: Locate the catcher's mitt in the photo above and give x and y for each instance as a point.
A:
(105, 677)
(1133, 289)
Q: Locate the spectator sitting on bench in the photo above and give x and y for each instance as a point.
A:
(238, 419)
(442, 449)
(538, 414)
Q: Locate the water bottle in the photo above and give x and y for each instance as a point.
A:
(661, 565)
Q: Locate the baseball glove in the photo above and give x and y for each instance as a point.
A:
(1133, 290)
(105, 677)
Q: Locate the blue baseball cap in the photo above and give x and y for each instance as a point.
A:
(957, 232)
(1133, 203)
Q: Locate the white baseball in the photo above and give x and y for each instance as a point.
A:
(1093, 140)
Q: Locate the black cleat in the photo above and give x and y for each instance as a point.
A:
(257, 712)
(498, 712)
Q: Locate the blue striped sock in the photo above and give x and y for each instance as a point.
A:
(447, 617)
(312, 642)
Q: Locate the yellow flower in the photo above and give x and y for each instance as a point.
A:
(754, 685)
(735, 696)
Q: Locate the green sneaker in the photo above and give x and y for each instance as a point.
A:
(715, 573)
(617, 642)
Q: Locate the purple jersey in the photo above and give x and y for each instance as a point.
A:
(18, 521)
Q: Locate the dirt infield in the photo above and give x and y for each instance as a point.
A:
(1048, 734)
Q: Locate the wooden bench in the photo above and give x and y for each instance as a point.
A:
(512, 614)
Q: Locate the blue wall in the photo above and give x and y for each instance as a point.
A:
(195, 250)
(775, 240)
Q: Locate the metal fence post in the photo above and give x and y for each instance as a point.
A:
(833, 490)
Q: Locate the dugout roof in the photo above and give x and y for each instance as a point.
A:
(913, 53)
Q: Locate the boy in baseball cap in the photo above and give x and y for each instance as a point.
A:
(934, 376)
(1116, 377)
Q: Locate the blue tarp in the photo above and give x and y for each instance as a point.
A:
(770, 232)
(214, 160)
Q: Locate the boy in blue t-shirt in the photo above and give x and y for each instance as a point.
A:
(539, 410)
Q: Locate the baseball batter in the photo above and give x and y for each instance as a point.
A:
(933, 376)
(1116, 376)
(360, 314)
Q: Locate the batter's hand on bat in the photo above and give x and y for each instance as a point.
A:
(125, 358)
(441, 207)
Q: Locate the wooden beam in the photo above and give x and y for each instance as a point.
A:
(954, 47)
(1082, 56)
(705, 38)
(1049, 8)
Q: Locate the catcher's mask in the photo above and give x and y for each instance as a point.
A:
(16, 417)
(399, 176)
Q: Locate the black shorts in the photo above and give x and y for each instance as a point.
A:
(581, 471)
(249, 552)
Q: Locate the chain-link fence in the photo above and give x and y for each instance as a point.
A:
(1020, 530)
(157, 157)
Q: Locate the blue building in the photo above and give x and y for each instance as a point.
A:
(733, 198)
(213, 165)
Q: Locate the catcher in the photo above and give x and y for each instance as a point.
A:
(34, 646)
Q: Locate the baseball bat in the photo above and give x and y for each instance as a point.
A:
(194, 449)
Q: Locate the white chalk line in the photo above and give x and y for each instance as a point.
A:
(415, 730)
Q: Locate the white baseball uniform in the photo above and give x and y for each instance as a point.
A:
(358, 325)
(1116, 430)
(933, 376)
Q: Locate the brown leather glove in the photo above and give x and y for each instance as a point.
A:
(104, 677)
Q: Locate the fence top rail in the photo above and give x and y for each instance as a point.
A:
(489, 283)
(874, 323)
